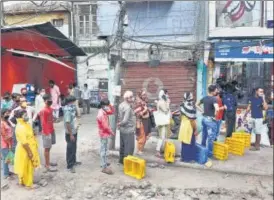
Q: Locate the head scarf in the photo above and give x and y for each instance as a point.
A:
(161, 94)
(187, 108)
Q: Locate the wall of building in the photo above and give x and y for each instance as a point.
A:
(91, 71)
(25, 19)
(21, 70)
(246, 24)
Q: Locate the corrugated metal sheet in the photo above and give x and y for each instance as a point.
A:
(176, 77)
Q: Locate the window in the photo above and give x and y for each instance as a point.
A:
(87, 20)
(58, 22)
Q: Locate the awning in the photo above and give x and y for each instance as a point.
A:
(42, 56)
(254, 51)
(50, 40)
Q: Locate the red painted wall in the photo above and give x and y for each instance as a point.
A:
(36, 71)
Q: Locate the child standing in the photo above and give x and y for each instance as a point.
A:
(105, 109)
(6, 141)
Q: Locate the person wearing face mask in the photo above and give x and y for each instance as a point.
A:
(7, 102)
(6, 141)
(71, 130)
(23, 105)
(209, 122)
(56, 102)
(39, 104)
(127, 125)
(188, 129)
(163, 109)
(48, 133)
(256, 105)
(16, 100)
(105, 109)
(26, 157)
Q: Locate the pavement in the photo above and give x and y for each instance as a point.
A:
(258, 163)
(252, 163)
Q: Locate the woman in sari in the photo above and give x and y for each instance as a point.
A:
(188, 129)
(26, 154)
(143, 121)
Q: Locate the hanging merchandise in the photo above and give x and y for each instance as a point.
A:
(30, 93)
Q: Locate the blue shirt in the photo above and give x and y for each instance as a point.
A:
(70, 117)
(230, 102)
(256, 107)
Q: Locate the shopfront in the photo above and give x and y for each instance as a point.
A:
(250, 65)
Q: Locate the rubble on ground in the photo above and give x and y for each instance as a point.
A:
(144, 190)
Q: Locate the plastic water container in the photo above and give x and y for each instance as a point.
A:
(236, 146)
(220, 151)
(135, 167)
(169, 153)
(201, 154)
(244, 136)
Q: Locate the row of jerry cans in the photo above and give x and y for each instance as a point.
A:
(136, 167)
(235, 145)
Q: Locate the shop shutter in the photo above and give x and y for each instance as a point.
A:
(176, 77)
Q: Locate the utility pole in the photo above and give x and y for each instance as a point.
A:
(117, 71)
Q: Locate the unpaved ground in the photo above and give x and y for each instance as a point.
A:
(167, 183)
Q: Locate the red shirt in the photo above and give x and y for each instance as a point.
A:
(103, 123)
(46, 118)
(220, 113)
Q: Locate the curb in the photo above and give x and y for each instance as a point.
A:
(196, 166)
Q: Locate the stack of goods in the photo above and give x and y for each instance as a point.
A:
(236, 146)
(220, 151)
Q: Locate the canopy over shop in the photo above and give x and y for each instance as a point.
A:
(35, 54)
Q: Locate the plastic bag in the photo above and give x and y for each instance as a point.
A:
(10, 158)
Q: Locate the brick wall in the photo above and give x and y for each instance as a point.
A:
(176, 77)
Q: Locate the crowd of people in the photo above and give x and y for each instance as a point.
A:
(22, 124)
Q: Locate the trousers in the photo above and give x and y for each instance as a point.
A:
(71, 151)
(127, 145)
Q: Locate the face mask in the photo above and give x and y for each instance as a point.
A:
(49, 103)
(24, 105)
(25, 118)
(6, 117)
(42, 94)
(17, 101)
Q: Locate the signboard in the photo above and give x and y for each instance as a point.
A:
(238, 13)
(270, 24)
(244, 51)
(117, 91)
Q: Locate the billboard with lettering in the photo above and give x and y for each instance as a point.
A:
(244, 51)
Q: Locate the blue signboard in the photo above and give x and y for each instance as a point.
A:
(244, 51)
(270, 24)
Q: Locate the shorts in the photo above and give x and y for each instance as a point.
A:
(48, 140)
(257, 125)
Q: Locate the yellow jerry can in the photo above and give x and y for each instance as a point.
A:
(169, 153)
(135, 167)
